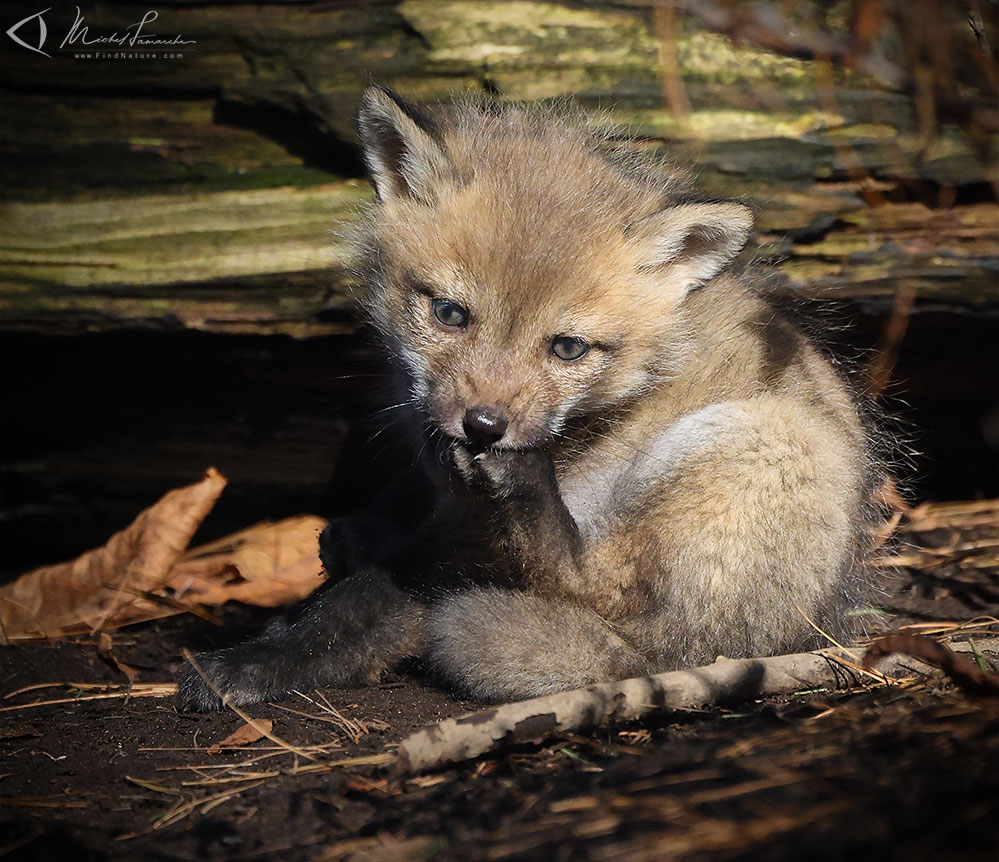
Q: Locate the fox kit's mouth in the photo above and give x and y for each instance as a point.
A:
(477, 446)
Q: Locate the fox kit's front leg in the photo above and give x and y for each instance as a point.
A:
(550, 634)
(534, 529)
(345, 633)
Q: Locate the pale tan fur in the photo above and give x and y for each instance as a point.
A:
(713, 461)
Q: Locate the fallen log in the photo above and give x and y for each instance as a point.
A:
(726, 681)
(197, 193)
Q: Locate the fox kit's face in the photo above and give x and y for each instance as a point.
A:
(508, 330)
(514, 281)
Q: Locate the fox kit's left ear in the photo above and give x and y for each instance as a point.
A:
(403, 157)
(691, 242)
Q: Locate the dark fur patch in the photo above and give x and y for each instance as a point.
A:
(782, 344)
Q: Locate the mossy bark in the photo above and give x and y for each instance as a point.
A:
(200, 190)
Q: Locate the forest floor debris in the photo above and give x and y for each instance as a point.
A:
(96, 766)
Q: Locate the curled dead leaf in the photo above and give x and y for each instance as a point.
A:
(246, 735)
(105, 649)
(143, 572)
(269, 565)
(97, 589)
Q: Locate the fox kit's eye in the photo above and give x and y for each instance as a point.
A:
(568, 347)
(450, 313)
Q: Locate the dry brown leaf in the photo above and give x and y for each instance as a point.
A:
(95, 591)
(105, 649)
(959, 667)
(245, 735)
(269, 565)
(143, 573)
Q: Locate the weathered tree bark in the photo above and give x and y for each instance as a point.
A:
(199, 190)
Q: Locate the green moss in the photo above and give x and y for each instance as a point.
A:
(164, 239)
(710, 57)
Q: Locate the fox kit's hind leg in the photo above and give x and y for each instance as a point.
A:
(748, 529)
(344, 634)
(505, 645)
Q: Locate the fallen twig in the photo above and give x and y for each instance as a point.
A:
(149, 689)
(724, 682)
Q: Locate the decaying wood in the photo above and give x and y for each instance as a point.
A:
(259, 260)
(200, 191)
(727, 681)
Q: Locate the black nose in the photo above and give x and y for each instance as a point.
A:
(484, 424)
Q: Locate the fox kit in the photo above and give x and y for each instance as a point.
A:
(635, 463)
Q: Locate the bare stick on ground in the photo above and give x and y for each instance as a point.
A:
(726, 681)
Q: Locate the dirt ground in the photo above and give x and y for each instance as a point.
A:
(893, 773)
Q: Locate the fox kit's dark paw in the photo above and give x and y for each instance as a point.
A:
(229, 674)
(339, 549)
(505, 473)
(193, 695)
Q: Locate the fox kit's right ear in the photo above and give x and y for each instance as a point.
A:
(402, 154)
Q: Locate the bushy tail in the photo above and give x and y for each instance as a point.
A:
(501, 645)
